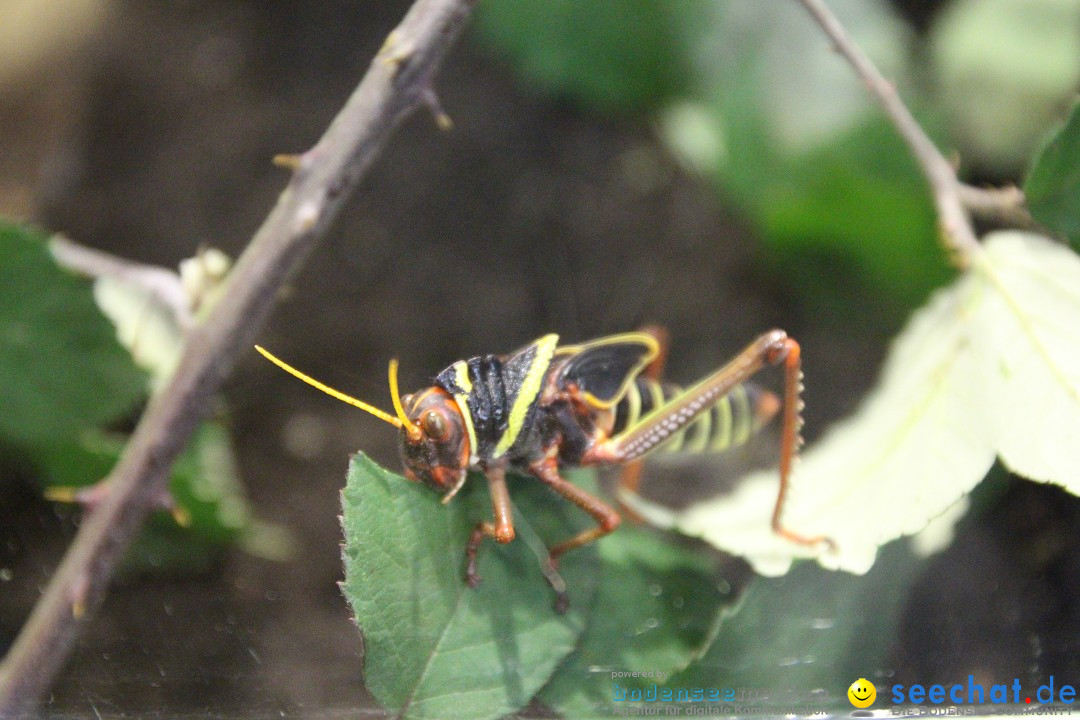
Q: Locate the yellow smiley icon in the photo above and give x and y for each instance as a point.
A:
(862, 693)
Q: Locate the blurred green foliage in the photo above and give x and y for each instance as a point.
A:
(69, 392)
(61, 368)
(1004, 71)
(205, 487)
(748, 95)
(817, 627)
(613, 61)
(1053, 186)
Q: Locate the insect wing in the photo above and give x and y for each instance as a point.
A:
(603, 369)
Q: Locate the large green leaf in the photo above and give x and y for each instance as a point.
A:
(656, 610)
(1027, 336)
(435, 648)
(1053, 187)
(989, 368)
(61, 368)
(905, 456)
(793, 645)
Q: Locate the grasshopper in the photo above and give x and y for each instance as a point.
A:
(548, 406)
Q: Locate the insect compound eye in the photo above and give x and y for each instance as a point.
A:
(434, 425)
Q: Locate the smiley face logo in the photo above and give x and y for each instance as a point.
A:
(862, 693)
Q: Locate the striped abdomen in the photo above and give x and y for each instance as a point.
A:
(728, 423)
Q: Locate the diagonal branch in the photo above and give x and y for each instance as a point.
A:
(953, 219)
(398, 82)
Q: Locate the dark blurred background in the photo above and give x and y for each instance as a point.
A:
(147, 130)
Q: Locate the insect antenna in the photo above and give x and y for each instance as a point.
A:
(410, 428)
(401, 421)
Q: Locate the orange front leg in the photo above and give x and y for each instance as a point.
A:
(502, 530)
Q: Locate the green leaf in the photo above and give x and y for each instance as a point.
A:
(1053, 187)
(434, 648)
(203, 484)
(657, 609)
(206, 484)
(793, 645)
(1005, 69)
(614, 60)
(143, 324)
(153, 308)
(989, 368)
(1027, 334)
(906, 456)
(61, 368)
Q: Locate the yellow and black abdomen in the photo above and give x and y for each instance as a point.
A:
(730, 422)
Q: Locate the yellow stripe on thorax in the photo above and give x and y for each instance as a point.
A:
(461, 370)
(530, 389)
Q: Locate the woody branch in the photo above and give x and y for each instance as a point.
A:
(398, 81)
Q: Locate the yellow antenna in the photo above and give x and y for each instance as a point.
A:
(395, 396)
(401, 421)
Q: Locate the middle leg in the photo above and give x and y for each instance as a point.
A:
(606, 517)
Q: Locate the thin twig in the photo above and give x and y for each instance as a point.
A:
(1002, 206)
(398, 81)
(953, 218)
(161, 284)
